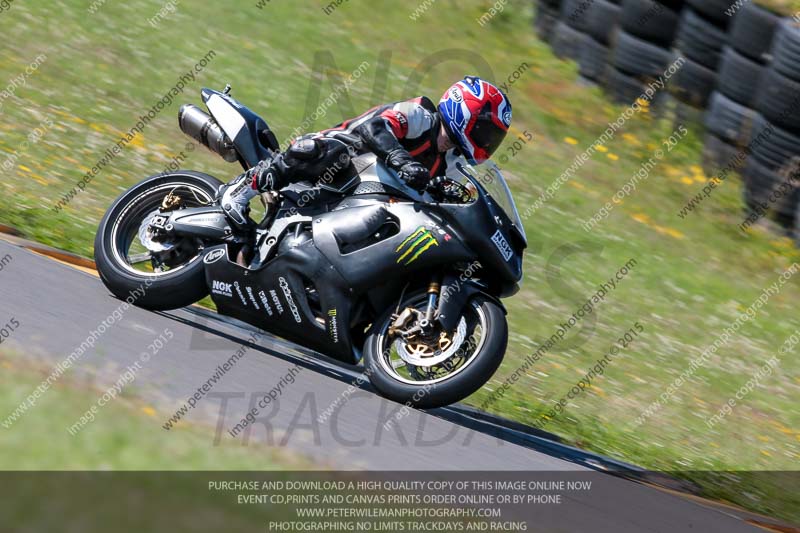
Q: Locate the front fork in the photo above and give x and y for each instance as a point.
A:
(424, 321)
(434, 288)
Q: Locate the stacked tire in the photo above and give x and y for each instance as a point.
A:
(641, 44)
(769, 175)
(731, 119)
(601, 19)
(569, 32)
(546, 18)
(701, 37)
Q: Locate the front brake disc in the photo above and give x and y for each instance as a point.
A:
(421, 354)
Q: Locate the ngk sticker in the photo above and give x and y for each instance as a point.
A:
(502, 245)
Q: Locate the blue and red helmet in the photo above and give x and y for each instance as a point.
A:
(476, 116)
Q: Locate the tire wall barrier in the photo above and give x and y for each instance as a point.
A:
(740, 73)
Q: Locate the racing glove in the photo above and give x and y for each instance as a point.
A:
(415, 175)
(410, 170)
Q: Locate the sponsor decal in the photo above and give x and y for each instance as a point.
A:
(415, 245)
(502, 245)
(507, 118)
(249, 291)
(199, 219)
(455, 94)
(332, 325)
(240, 293)
(434, 226)
(221, 288)
(276, 301)
(287, 293)
(213, 256)
(265, 302)
(401, 118)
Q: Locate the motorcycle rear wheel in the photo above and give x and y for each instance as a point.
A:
(129, 275)
(472, 364)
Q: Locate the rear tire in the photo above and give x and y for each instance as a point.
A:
(477, 370)
(167, 290)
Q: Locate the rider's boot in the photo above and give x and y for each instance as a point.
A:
(235, 196)
(235, 199)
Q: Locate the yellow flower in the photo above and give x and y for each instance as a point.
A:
(39, 179)
(671, 232)
(137, 141)
(687, 181)
(613, 157)
(570, 140)
(602, 148)
(149, 411)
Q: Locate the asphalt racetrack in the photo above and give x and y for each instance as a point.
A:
(59, 306)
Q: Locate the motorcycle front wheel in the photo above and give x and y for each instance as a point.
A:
(440, 368)
(174, 275)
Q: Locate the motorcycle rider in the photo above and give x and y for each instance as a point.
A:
(416, 138)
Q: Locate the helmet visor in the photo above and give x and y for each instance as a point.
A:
(486, 134)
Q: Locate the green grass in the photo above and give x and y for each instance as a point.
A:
(693, 277)
(787, 8)
(126, 434)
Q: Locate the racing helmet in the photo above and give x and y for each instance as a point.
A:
(476, 116)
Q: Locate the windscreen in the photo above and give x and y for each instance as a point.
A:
(490, 176)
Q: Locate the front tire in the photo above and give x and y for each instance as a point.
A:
(422, 387)
(181, 285)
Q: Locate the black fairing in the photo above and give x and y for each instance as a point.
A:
(483, 219)
(280, 289)
(355, 255)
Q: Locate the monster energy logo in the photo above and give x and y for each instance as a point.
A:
(416, 244)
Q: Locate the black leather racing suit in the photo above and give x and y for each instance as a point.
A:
(398, 133)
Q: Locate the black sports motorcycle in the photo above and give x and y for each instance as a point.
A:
(359, 267)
